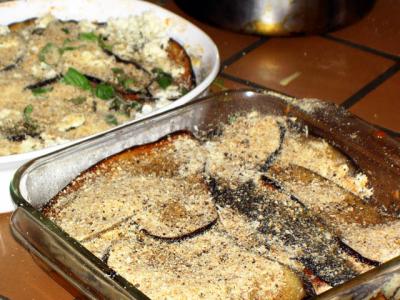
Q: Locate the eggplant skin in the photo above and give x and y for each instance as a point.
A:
(179, 56)
(19, 26)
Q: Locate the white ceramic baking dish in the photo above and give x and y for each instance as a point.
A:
(200, 47)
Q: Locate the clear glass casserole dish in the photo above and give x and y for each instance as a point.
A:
(40, 180)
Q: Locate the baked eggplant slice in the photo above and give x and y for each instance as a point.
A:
(284, 224)
(201, 264)
(318, 156)
(180, 57)
(12, 49)
(341, 210)
(244, 147)
(173, 207)
(19, 26)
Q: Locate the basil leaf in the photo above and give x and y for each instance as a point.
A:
(163, 79)
(41, 90)
(88, 36)
(27, 112)
(77, 100)
(104, 91)
(75, 78)
(65, 30)
(111, 119)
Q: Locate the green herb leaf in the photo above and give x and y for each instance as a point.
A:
(67, 48)
(117, 70)
(163, 79)
(28, 111)
(184, 91)
(67, 41)
(75, 78)
(104, 45)
(46, 51)
(111, 119)
(104, 91)
(88, 36)
(126, 82)
(136, 105)
(41, 90)
(77, 100)
(65, 30)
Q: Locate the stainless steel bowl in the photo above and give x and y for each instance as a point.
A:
(278, 17)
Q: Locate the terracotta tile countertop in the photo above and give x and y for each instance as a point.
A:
(356, 67)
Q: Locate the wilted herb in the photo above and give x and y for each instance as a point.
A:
(77, 100)
(29, 124)
(49, 48)
(184, 91)
(122, 78)
(111, 119)
(67, 48)
(117, 70)
(163, 79)
(41, 90)
(102, 43)
(120, 105)
(27, 112)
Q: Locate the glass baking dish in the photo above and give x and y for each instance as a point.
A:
(35, 183)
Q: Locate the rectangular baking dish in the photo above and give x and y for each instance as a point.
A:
(38, 181)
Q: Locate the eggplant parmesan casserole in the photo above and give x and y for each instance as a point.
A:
(63, 80)
(258, 209)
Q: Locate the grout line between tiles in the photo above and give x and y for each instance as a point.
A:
(242, 52)
(371, 86)
(242, 81)
(362, 47)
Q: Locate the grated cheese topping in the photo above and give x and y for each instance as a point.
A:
(238, 216)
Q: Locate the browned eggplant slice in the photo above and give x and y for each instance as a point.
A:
(320, 157)
(339, 208)
(173, 206)
(101, 243)
(286, 225)
(179, 55)
(244, 147)
(12, 49)
(19, 26)
(335, 204)
(43, 83)
(201, 264)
